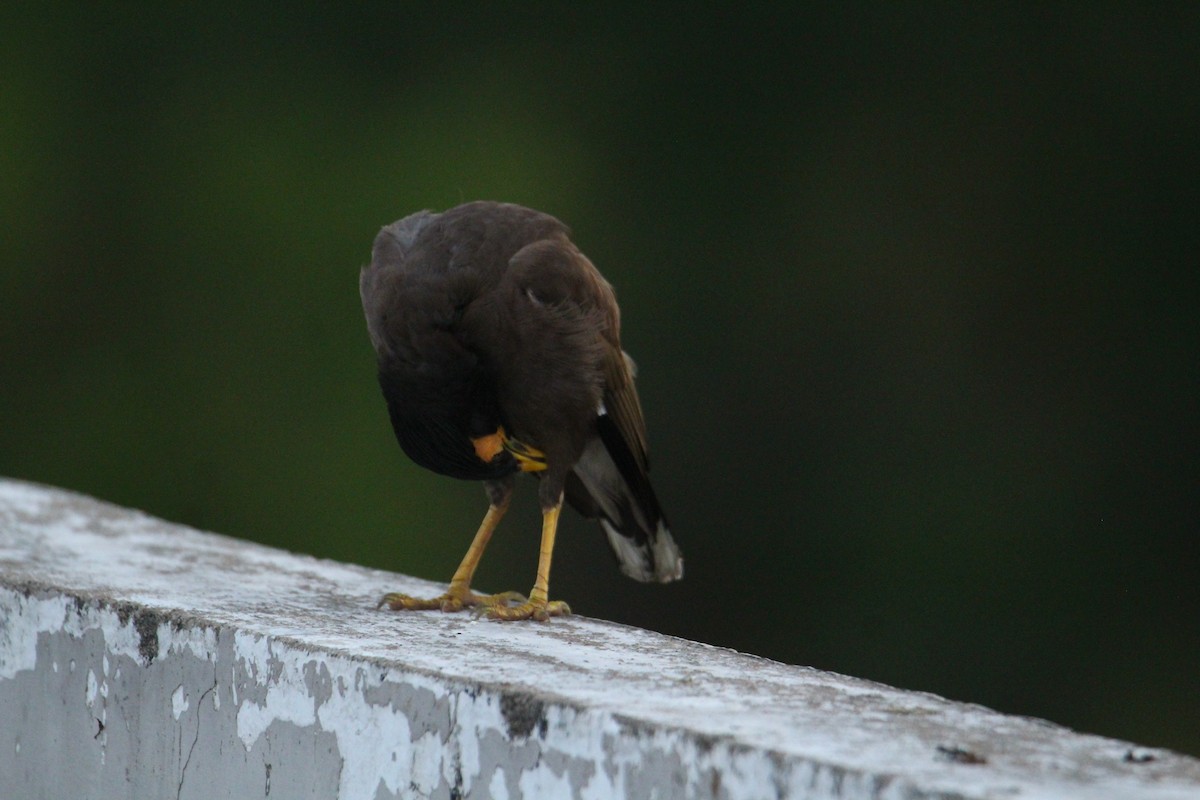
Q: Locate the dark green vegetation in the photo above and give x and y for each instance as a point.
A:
(913, 294)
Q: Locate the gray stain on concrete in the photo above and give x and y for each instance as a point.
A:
(523, 714)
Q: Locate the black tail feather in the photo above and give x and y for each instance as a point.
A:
(609, 483)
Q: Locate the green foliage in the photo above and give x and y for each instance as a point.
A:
(911, 289)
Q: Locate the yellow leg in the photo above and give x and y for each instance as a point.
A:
(539, 606)
(459, 595)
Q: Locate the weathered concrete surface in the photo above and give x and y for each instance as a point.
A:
(141, 659)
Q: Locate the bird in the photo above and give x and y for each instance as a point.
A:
(498, 350)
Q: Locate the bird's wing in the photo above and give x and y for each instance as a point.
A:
(610, 481)
(555, 273)
(622, 405)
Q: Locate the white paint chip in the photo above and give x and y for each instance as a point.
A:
(179, 702)
(497, 786)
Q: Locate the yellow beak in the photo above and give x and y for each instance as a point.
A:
(529, 459)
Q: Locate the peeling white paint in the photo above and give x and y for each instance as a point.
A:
(497, 786)
(199, 641)
(179, 702)
(286, 700)
(18, 635)
(93, 689)
(375, 741)
(545, 783)
(415, 703)
(425, 765)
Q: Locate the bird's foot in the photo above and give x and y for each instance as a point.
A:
(541, 610)
(453, 600)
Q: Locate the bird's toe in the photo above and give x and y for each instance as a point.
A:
(531, 609)
(403, 602)
(451, 601)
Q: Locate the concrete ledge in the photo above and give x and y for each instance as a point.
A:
(142, 659)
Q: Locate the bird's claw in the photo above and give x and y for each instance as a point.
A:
(540, 610)
(450, 601)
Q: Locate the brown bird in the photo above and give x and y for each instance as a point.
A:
(499, 352)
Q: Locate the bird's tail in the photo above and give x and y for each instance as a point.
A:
(608, 483)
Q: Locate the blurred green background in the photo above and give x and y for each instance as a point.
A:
(912, 288)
